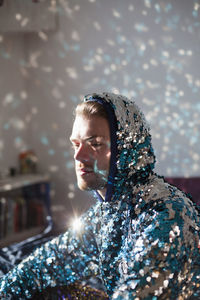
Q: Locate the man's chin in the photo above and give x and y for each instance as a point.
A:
(84, 186)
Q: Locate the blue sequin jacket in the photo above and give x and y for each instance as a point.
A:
(142, 240)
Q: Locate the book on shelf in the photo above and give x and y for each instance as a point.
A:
(2, 216)
(18, 214)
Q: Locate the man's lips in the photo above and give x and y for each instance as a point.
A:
(85, 171)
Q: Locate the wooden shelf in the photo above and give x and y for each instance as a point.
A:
(19, 181)
(25, 206)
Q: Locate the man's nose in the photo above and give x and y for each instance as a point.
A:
(81, 154)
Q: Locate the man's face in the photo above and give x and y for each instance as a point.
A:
(91, 142)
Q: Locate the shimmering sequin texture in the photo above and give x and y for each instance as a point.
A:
(142, 241)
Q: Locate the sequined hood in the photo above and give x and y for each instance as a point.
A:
(132, 156)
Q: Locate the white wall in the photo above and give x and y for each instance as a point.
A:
(148, 50)
(14, 121)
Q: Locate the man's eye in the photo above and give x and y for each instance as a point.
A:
(96, 145)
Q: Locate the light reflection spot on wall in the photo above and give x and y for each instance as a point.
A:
(124, 63)
(24, 22)
(106, 71)
(71, 195)
(72, 73)
(18, 17)
(75, 36)
(116, 13)
(195, 156)
(131, 7)
(53, 168)
(195, 167)
(6, 126)
(71, 187)
(18, 142)
(97, 26)
(141, 27)
(144, 12)
(62, 104)
(1, 145)
(47, 69)
(147, 3)
(33, 59)
(154, 62)
(9, 98)
(66, 154)
(18, 124)
(77, 7)
(44, 140)
(145, 66)
(23, 95)
(51, 152)
(34, 110)
(70, 164)
(43, 36)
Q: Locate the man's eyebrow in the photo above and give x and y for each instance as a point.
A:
(87, 139)
(92, 137)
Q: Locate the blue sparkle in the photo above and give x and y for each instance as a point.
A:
(18, 140)
(69, 164)
(6, 126)
(44, 140)
(51, 152)
(66, 154)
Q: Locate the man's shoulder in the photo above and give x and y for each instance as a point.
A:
(157, 190)
(162, 200)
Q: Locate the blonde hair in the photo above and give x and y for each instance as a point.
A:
(91, 108)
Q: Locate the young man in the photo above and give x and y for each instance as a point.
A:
(141, 238)
(91, 142)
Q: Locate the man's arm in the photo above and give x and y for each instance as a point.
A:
(64, 260)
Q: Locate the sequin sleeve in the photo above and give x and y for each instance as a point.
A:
(161, 258)
(64, 260)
